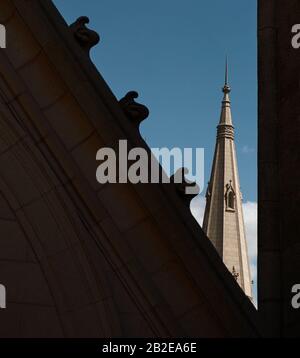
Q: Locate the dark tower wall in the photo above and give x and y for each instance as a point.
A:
(279, 163)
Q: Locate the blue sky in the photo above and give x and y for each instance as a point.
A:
(173, 53)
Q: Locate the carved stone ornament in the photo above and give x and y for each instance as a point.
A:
(182, 185)
(85, 37)
(134, 111)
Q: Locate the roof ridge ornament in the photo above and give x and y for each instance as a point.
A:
(85, 37)
(181, 185)
(133, 110)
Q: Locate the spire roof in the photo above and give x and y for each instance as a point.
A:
(223, 217)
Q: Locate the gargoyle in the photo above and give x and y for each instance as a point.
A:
(186, 189)
(134, 111)
(85, 37)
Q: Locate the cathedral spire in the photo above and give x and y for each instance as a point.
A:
(223, 217)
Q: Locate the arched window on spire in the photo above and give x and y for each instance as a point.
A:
(230, 197)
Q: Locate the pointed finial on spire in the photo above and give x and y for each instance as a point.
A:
(226, 88)
(226, 112)
(235, 274)
(226, 71)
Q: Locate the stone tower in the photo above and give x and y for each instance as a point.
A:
(223, 218)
